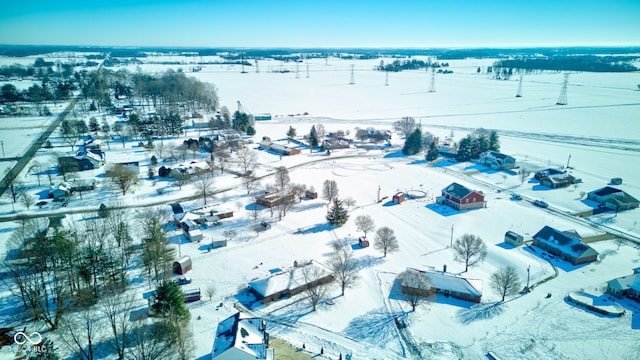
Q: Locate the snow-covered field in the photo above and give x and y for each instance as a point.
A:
(598, 128)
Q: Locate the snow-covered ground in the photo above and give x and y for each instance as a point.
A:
(598, 129)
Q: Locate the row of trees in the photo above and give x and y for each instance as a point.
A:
(472, 145)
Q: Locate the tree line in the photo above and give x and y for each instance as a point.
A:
(590, 63)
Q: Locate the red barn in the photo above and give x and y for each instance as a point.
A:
(462, 198)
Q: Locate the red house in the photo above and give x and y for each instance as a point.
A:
(462, 198)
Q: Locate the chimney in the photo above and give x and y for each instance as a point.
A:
(444, 268)
(295, 263)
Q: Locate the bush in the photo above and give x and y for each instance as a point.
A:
(103, 211)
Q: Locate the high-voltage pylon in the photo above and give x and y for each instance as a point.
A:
(297, 71)
(432, 87)
(386, 78)
(519, 93)
(257, 68)
(307, 68)
(562, 99)
(353, 77)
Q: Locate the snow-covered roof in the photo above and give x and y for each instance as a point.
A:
(626, 282)
(289, 279)
(244, 334)
(457, 190)
(564, 242)
(446, 281)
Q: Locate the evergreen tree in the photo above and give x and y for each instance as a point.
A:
(251, 131)
(432, 154)
(291, 132)
(103, 211)
(313, 137)
(170, 301)
(413, 144)
(47, 351)
(337, 215)
(494, 141)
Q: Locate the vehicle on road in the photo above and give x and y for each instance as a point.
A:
(540, 203)
(183, 280)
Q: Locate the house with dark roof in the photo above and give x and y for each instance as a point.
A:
(628, 286)
(496, 160)
(83, 160)
(554, 178)
(564, 244)
(613, 198)
(448, 284)
(240, 338)
(291, 282)
(462, 198)
(274, 199)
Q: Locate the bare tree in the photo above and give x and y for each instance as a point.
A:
(37, 168)
(204, 186)
(405, 126)
(16, 187)
(180, 178)
(116, 308)
(229, 235)
(365, 223)
(210, 290)
(505, 282)
(151, 340)
(329, 190)
(27, 200)
(250, 184)
(70, 133)
(282, 178)
(386, 241)
(524, 175)
(313, 291)
(470, 250)
(81, 332)
(123, 176)
(343, 265)
(349, 202)
(247, 159)
(415, 287)
(298, 190)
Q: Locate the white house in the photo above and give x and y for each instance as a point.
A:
(241, 339)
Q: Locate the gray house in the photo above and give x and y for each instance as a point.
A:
(628, 286)
(564, 244)
(496, 160)
(612, 198)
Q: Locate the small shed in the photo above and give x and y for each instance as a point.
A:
(513, 238)
(311, 194)
(363, 242)
(182, 266)
(193, 235)
(218, 243)
(398, 198)
(616, 181)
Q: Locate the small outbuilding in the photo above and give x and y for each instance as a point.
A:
(193, 235)
(182, 266)
(513, 238)
(398, 198)
(363, 242)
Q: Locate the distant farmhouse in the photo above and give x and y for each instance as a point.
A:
(555, 178)
(613, 199)
(461, 198)
(291, 282)
(448, 284)
(628, 286)
(496, 160)
(567, 245)
(83, 160)
(274, 199)
(242, 339)
(279, 148)
(336, 143)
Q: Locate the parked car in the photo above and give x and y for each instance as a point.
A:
(183, 280)
(41, 203)
(540, 203)
(515, 196)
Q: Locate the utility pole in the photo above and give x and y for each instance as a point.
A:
(568, 161)
(2, 143)
(451, 243)
(378, 193)
(528, 271)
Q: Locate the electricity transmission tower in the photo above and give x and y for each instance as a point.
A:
(562, 99)
(519, 94)
(297, 71)
(386, 79)
(353, 77)
(432, 87)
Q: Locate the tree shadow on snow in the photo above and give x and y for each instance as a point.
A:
(368, 261)
(376, 326)
(443, 210)
(481, 311)
(315, 229)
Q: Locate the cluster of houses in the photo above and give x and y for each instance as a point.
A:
(193, 220)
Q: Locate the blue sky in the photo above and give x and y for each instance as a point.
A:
(321, 23)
